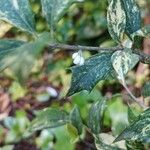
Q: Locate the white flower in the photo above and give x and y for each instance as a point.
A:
(78, 58)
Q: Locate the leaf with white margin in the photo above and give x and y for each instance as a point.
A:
(18, 13)
(116, 20)
(123, 61)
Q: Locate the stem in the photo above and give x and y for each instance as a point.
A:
(82, 48)
(132, 96)
(144, 58)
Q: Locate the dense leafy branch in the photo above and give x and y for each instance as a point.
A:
(145, 58)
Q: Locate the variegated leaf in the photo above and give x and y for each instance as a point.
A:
(133, 145)
(133, 16)
(76, 120)
(123, 61)
(139, 130)
(144, 32)
(95, 69)
(95, 116)
(18, 13)
(100, 145)
(47, 118)
(53, 10)
(116, 20)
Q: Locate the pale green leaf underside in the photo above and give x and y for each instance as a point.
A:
(139, 130)
(95, 69)
(116, 20)
(53, 10)
(133, 16)
(18, 13)
(48, 118)
(123, 61)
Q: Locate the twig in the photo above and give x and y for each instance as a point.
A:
(144, 58)
(132, 96)
(83, 48)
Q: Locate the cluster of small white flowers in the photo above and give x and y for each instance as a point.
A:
(78, 58)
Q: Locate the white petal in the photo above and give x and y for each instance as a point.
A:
(77, 60)
(81, 61)
(75, 55)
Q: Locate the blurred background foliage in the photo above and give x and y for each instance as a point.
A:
(85, 24)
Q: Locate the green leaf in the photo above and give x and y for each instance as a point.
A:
(18, 13)
(139, 130)
(146, 89)
(48, 118)
(17, 91)
(53, 10)
(95, 69)
(96, 115)
(62, 139)
(21, 56)
(116, 20)
(123, 61)
(133, 16)
(74, 136)
(75, 119)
